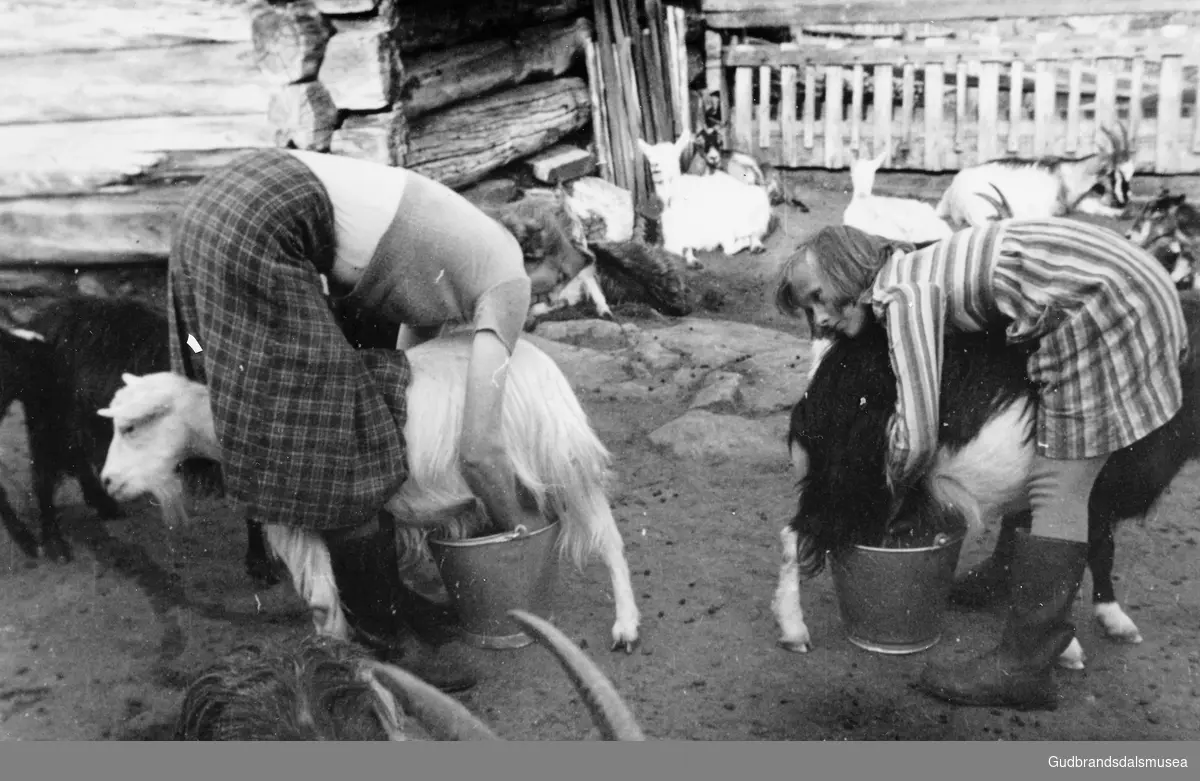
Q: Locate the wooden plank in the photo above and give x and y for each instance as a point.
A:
(599, 119)
(743, 107)
(714, 72)
(832, 111)
(1170, 108)
(1137, 73)
(883, 105)
(740, 14)
(908, 88)
(61, 27)
(1016, 83)
(764, 106)
(987, 50)
(92, 229)
(1045, 93)
(185, 80)
(935, 80)
(1105, 105)
(1074, 98)
(989, 111)
(810, 104)
(679, 24)
(856, 107)
(787, 115)
(960, 112)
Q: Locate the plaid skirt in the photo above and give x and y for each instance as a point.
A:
(311, 429)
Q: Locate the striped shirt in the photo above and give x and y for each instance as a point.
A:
(1106, 314)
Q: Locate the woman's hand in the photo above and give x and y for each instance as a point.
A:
(485, 464)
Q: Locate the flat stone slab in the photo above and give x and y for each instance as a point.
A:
(714, 343)
(703, 435)
(586, 369)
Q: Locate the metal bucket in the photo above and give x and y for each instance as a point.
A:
(488, 576)
(892, 600)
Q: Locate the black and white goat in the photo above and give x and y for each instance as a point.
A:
(65, 364)
(1169, 228)
(327, 689)
(161, 419)
(714, 156)
(1045, 187)
(837, 440)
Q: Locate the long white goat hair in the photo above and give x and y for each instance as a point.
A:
(705, 212)
(160, 419)
(556, 456)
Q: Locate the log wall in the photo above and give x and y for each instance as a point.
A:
(97, 166)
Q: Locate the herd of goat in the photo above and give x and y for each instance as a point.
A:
(92, 375)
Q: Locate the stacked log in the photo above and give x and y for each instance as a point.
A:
(454, 114)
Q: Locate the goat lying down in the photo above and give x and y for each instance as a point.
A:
(705, 212)
(1046, 187)
(327, 689)
(837, 440)
(161, 419)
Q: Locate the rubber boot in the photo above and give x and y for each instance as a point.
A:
(1017, 673)
(367, 573)
(987, 583)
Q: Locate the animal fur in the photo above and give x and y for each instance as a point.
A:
(899, 219)
(557, 459)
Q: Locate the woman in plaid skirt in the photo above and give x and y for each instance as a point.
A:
(1110, 335)
(311, 428)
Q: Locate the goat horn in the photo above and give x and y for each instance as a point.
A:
(1003, 207)
(444, 717)
(608, 710)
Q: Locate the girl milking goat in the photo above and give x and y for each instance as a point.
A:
(309, 431)
(1106, 335)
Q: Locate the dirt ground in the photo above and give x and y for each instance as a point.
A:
(101, 648)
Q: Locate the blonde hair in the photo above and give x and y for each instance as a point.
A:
(839, 261)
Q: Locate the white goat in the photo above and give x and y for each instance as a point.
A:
(705, 212)
(161, 419)
(899, 219)
(1047, 187)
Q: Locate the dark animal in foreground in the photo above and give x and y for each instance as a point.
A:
(838, 442)
(327, 689)
(1169, 229)
(63, 366)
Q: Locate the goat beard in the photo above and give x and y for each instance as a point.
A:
(168, 494)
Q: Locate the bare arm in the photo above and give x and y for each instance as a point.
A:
(485, 463)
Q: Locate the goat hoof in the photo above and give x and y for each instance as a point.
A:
(795, 646)
(627, 646)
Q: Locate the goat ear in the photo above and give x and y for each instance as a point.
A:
(683, 142)
(130, 379)
(105, 412)
(642, 145)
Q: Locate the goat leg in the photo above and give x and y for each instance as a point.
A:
(54, 545)
(258, 564)
(20, 533)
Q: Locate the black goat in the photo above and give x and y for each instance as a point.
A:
(838, 444)
(64, 365)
